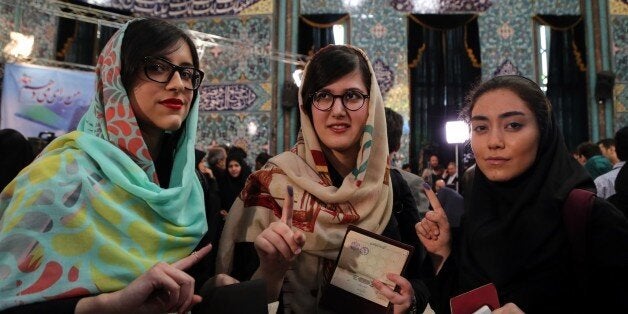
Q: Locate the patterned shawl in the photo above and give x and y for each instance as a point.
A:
(88, 215)
(322, 211)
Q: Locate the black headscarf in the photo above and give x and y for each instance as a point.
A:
(620, 198)
(512, 229)
(233, 185)
(16, 154)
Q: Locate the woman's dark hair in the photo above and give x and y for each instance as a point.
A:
(621, 143)
(524, 88)
(329, 65)
(150, 37)
(588, 150)
(394, 128)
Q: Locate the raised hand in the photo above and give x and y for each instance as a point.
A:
(401, 300)
(277, 246)
(163, 288)
(433, 230)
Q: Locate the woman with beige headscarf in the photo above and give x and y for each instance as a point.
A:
(340, 175)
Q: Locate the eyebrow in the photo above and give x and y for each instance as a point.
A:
(501, 116)
(184, 64)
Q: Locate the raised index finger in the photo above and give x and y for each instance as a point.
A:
(432, 198)
(192, 259)
(286, 213)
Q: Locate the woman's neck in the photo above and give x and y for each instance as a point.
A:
(343, 162)
(153, 140)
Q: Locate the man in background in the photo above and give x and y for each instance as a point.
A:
(590, 156)
(607, 147)
(605, 184)
(394, 127)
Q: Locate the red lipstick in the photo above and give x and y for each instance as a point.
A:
(172, 103)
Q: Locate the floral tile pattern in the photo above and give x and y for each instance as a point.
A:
(619, 46)
(619, 26)
(251, 131)
(242, 61)
(506, 39)
(558, 7)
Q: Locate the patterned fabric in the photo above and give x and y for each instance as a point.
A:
(322, 211)
(88, 215)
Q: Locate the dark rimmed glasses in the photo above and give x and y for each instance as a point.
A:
(160, 70)
(352, 100)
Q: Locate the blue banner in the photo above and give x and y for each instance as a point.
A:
(44, 99)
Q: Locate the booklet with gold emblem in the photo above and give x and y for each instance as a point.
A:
(364, 256)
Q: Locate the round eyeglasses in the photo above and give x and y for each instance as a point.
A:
(160, 70)
(352, 100)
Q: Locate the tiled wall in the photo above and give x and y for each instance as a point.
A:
(236, 104)
(506, 36)
(619, 46)
(236, 96)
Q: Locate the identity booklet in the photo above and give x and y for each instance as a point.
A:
(364, 256)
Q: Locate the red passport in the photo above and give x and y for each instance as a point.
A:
(471, 301)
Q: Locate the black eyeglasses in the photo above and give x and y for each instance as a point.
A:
(352, 100)
(160, 70)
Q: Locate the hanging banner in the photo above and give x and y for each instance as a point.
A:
(39, 99)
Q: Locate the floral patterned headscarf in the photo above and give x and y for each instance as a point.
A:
(88, 215)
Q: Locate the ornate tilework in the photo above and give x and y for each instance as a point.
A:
(557, 7)
(441, 6)
(251, 131)
(619, 7)
(232, 97)
(507, 68)
(243, 61)
(327, 6)
(261, 7)
(506, 39)
(385, 77)
(621, 98)
(182, 8)
(619, 26)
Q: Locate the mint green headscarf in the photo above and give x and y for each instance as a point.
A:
(88, 215)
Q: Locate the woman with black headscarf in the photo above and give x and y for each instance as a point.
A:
(512, 232)
(237, 173)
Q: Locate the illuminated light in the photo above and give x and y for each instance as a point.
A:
(20, 46)
(456, 132)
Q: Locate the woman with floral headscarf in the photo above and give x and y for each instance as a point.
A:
(339, 171)
(106, 217)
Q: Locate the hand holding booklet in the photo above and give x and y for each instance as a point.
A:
(364, 256)
(478, 300)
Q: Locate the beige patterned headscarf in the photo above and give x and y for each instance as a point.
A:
(321, 210)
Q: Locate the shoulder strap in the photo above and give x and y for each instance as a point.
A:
(576, 212)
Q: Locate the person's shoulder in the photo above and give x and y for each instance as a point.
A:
(605, 213)
(409, 176)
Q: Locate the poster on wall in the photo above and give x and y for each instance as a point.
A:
(39, 99)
